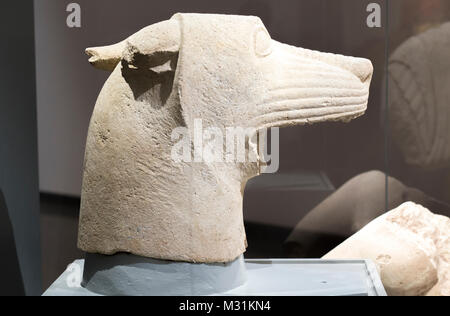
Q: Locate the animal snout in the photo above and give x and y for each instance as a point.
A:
(306, 86)
(361, 68)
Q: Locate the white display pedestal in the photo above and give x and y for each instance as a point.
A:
(267, 277)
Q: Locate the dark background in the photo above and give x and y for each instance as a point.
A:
(19, 195)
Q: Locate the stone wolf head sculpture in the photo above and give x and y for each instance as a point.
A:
(226, 71)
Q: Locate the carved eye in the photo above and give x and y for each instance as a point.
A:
(263, 43)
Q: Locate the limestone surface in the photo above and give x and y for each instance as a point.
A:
(226, 71)
(411, 248)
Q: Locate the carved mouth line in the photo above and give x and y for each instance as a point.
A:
(309, 116)
(306, 88)
(304, 81)
(317, 94)
(311, 99)
(311, 65)
(294, 71)
(324, 103)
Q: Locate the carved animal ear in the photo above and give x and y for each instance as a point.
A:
(158, 61)
(106, 57)
(153, 48)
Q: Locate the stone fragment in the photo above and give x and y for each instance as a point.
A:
(411, 248)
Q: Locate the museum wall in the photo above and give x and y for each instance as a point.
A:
(19, 197)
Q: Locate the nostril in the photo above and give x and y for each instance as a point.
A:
(363, 69)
